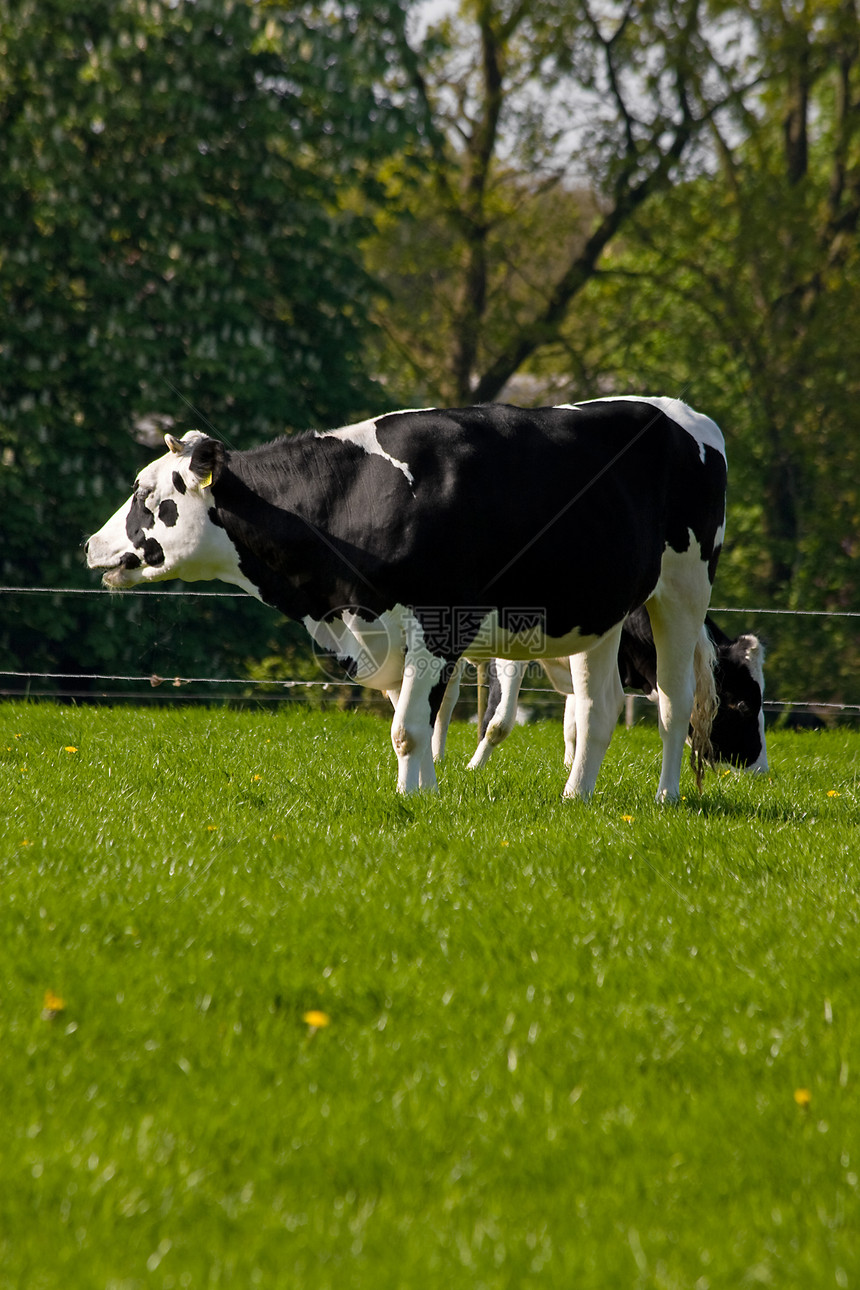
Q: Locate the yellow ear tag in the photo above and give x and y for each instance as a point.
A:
(206, 482)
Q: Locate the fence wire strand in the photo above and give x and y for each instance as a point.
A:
(184, 593)
(155, 681)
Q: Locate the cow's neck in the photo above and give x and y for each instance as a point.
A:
(278, 526)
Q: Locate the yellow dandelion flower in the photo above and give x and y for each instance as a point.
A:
(504, 843)
(211, 828)
(802, 1097)
(52, 1004)
(833, 792)
(628, 819)
(69, 748)
(256, 777)
(316, 1020)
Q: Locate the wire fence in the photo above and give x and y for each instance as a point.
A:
(18, 684)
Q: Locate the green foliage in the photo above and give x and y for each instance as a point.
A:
(596, 1046)
(421, 260)
(175, 240)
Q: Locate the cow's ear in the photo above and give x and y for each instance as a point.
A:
(174, 444)
(753, 650)
(207, 461)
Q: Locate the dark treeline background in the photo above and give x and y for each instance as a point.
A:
(253, 218)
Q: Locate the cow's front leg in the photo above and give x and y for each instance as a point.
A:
(559, 672)
(598, 697)
(412, 727)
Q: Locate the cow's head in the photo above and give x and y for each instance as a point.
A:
(738, 732)
(165, 530)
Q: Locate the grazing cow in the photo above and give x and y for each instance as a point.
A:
(407, 541)
(737, 734)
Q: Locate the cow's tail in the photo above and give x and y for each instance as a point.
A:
(705, 706)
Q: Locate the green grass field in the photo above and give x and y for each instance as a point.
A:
(561, 1046)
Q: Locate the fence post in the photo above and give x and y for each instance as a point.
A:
(481, 678)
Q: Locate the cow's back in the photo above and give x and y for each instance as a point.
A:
(508, 504)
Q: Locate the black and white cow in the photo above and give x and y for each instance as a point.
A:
(737, 733)
(407, 541)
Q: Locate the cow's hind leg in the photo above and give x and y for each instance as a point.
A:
(446, 711)
(558, 671)
(500, 718)
(597, 697)
(569, 728)
(685, 669)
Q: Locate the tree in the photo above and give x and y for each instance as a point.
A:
(566, 116)
(175, 239)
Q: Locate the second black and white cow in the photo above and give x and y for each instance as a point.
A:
(409, 540)
(737, 733)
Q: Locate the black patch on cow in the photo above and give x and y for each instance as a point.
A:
(215, 517)
(139, 519)
(565, 509)
(179, 483)
(130, 561)
(153, 554)
(168, 512)
(450, 630)
(207, 459)
(637, 653)
(437, 694)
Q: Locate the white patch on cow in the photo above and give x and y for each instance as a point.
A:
(558, 671)
(720, 535)
(375, 647)
(760, 765)
(705, 431)
(754, 658)
(363, 435)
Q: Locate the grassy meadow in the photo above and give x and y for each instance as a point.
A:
(264, 1023)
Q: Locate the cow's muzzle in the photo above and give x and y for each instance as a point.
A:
(120, 574)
